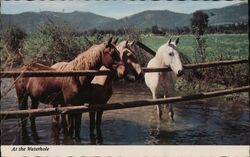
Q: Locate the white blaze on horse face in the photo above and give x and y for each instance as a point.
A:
(126, 48)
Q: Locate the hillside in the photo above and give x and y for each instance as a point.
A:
(147, 19)
(78, 20)
(163, 18)
(228, 15)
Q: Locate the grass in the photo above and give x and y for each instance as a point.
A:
(219, 46)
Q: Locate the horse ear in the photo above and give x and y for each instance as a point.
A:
(109, 41)
(169, 41)
(115, 42)
(132, 43)
(176, 41)
(126, 44)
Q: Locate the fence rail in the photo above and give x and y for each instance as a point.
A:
(120, 105)
(10, 74)
(47, 73)
(199, 65)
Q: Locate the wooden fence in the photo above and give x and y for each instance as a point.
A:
(120, 105)
(10, 74)
(115, 106)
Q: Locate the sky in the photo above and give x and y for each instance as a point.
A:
(112, 8)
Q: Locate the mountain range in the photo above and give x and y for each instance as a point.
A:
(83, 21)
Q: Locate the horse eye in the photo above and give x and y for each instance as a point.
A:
(171, 54)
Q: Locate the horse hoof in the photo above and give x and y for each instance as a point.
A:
(99, 140)
(78, 138)
(93, 141)
(92, 136)
(65, 131)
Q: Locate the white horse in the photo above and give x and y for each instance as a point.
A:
(163, 82)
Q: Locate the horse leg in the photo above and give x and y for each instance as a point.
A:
(158, 107)
(171, 112)
(98, 126)
(55, 118)
(23, 105)
(78, 118)
(64, 124)
(22, 100)
(34, 105)
(71, 124)
(92, 125)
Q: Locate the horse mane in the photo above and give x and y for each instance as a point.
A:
(86, 60)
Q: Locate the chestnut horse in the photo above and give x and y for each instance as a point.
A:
(66, 90)
(101, 86)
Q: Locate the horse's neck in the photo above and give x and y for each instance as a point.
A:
(159, 56)
(158, 59)
(88, 60)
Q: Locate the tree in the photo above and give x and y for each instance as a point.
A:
(13, 38)
(154, 29)
(199, 22)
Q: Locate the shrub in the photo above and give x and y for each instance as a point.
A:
(54, 43)
(11, 47)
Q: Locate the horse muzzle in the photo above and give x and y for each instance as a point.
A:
(179, 73)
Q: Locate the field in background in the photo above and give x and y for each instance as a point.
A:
(219, 46)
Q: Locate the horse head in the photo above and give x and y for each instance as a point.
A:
(110, 58)
(133, 69)
(171, 57)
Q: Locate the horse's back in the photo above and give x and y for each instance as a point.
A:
(59, 65)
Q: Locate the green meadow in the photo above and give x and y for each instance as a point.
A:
(218, 46)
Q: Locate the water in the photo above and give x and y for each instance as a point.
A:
(201, 122)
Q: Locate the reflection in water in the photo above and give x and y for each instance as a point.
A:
(29, 137)
(199, 122)
(55, 133)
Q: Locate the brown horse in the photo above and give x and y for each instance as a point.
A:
(127, 53)
(66, 90)
(101, 89)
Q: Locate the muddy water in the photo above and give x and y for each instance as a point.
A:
(200, 122)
